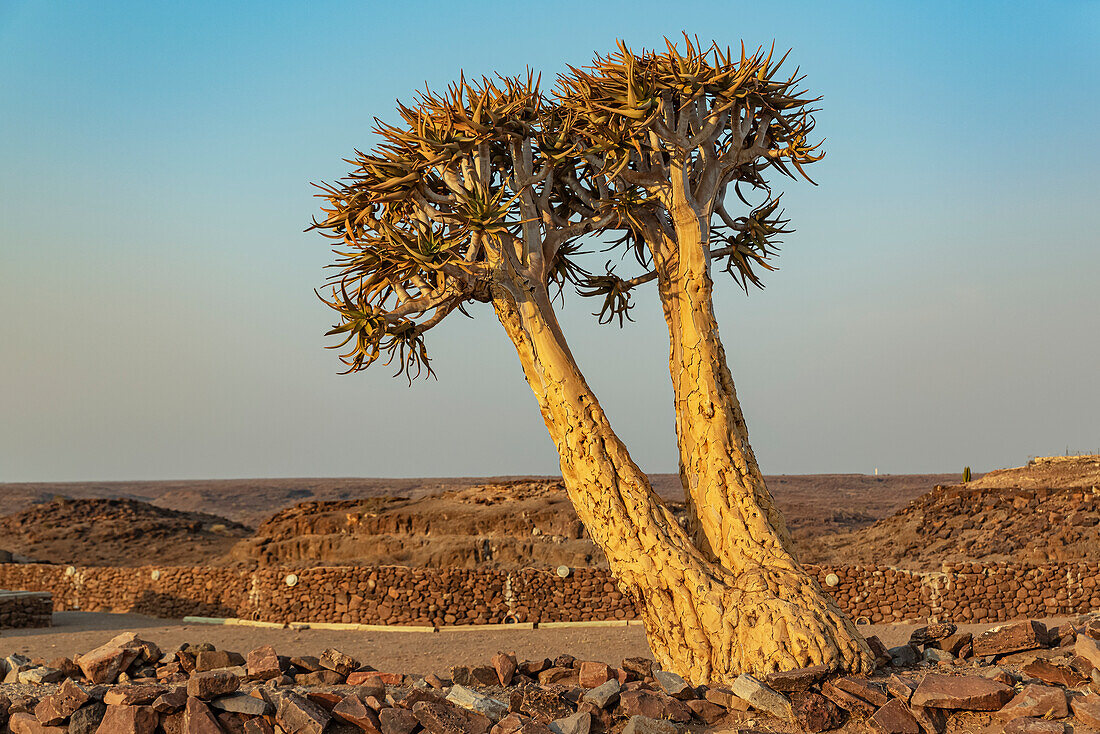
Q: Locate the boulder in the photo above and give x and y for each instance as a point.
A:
(506, 666)
(124, 719)
(1036, 701)
(1057, 674)
(263, 663)
(212, 684)
(1012, 637)
(197, 718)
(967, 693)
(894, 717)
(297, 714)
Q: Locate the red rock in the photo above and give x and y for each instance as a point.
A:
(932, 720)
(211, 684)
(298, 714)
(198, 719)
(894, 717)
(955, 643)
(440, 719)
(133, 695)
(727, 699)
(505, 666)
(796, 680)
(557, 675)
(364, 677)
(263, 664)
(1012, 637)
(1037, 701)
(862, 688)
(931, 633)
(640, 668)
(103, 664)
(129, 720)
(652, 705)
(901, 687)
(846, 700)
(55, 709)
(333, 659)
(258, 725)
(1085, 708)
(592, 674)
(1054, 673)
(1033, 726)
(207, 660)
(705, 711)
(813, 712)
(354, 710)
(24, 723)
(1088, 648)
(397, 721)
(966, 692)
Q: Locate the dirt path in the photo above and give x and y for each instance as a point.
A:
(407, 652)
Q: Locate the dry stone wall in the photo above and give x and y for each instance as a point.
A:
(961, 592)
(25, 609)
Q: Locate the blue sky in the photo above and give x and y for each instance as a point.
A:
(938, 306)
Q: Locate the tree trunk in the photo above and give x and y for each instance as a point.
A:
(706, 622)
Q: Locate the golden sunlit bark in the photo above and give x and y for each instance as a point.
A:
(705, 621)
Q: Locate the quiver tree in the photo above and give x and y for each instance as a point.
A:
(476, 197)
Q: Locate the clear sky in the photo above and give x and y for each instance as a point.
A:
(938, 306)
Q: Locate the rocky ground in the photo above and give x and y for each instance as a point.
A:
(1047, 511)
(505, 523)
(1019, 677)
(107, 531)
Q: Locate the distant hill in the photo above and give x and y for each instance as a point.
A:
(1046, 511)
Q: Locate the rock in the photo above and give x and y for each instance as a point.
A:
(441, 719)
(207, 660)
(170, 702)
(129, 720)
(506, 666)
(934, 655)
(86, 719)
(212, 684)
(640, 668)
(242, 703)
(931, 720)
(968, 693)
(298, 714)
(673, 685)
(366, 679)
(862, 688)
(845, 700)
(494, 709)
(557, 675)
(604, 695)
(1013, 637)
(397, 721)
(903, 656)
(133, 695)
(104, 663)
(24, 723)
(542, 704)
(727, 699)
(306, 663)
(1033, 726)
(646, 725)
(813, 712)
(705, 711)
(894, 717)
(652, 705)
(578, 723)
(1089, 649)
(263, 663)
(55, 709)
(355, 711)
(592, 674)
(955, 643)
(565, 661)
(797, 680)
(1086, 709)
(901, 687)
(258, 726)
(534, 667)
(325, 699)
(1037, 701)
(333, 659)
(998, 673)
(38, 675)
(761, 697)
(1054, 673)
(882, 655)
(197, 718)
(319, 678)
(932, 633)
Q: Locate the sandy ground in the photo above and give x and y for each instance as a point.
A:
(406, 652)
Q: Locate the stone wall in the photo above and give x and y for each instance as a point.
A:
(963, 592)
(25, 609)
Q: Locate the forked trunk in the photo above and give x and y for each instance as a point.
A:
(706, 622)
